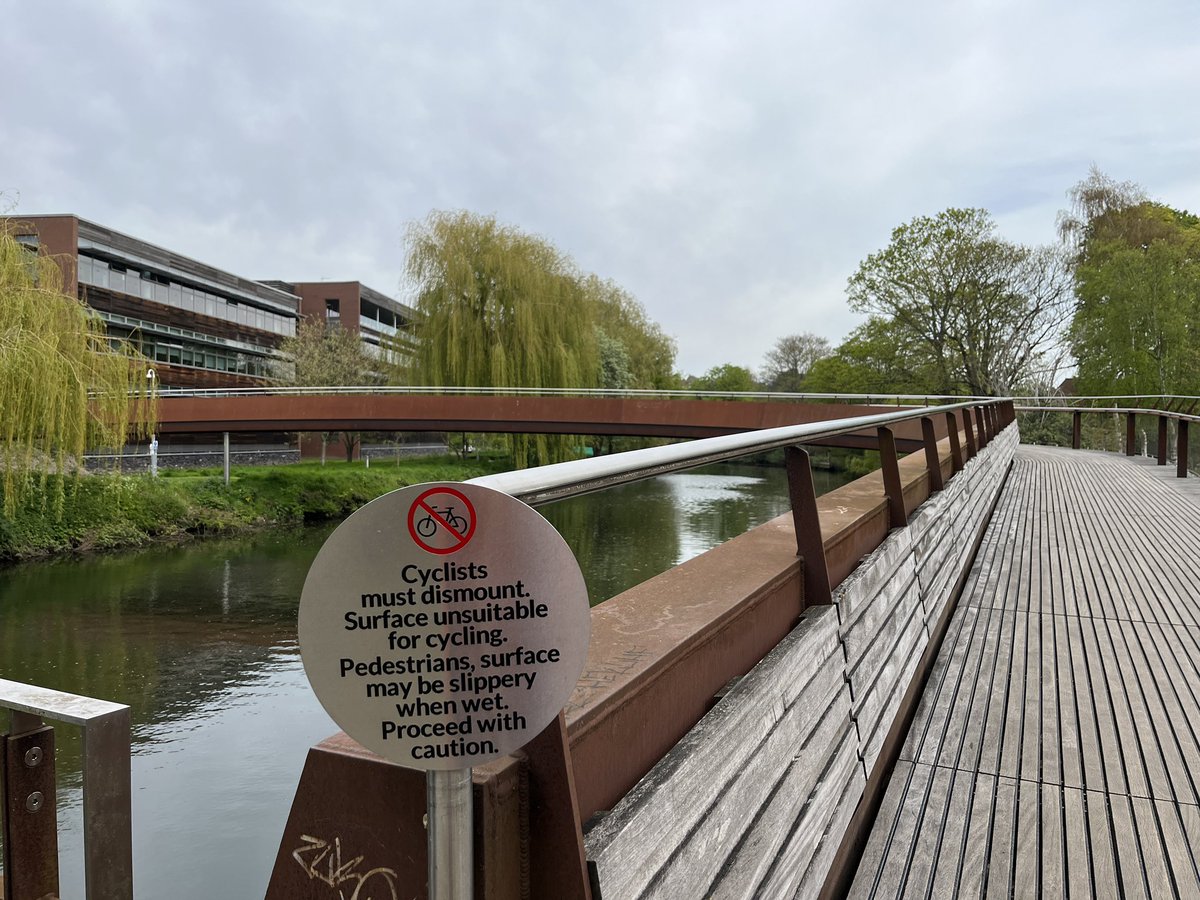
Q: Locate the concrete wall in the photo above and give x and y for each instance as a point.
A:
(756, 800)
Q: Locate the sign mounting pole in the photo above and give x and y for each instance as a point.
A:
(451, 863)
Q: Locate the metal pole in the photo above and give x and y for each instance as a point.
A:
(227, 459)
(451, 835)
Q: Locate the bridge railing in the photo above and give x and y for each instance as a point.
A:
(661, 651)
(1164, 415)
(601, 393)
(27, 789)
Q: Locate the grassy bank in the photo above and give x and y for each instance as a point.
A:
(109, 512)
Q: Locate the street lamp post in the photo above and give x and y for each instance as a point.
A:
(153, 438)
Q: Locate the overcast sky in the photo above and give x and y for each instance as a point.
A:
(728, 163)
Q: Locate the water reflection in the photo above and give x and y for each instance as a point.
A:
(643, 529)
(200, 640)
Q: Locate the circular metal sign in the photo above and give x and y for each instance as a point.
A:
(444, 625)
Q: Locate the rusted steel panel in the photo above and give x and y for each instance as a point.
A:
(357, 824)
(30, 816)
(1162, 440)
(547, 415)
(557, 859)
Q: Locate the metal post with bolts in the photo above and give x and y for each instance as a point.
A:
(450, 834)
(226, 459)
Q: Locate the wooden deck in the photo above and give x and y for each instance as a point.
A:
(1056, 748)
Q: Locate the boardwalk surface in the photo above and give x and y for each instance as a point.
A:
(1056, 748)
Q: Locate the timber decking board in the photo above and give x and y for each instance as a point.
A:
(1055, 750)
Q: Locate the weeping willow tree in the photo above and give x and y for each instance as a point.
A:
(499, 308)
(63, 387)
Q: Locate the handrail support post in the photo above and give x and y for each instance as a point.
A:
(1076, 430)
(933, 460)
(897, 514)
(956, 457)
(972, 447)
(1130, 433)
(1162, 440)
(810, 546)
(1181, 448)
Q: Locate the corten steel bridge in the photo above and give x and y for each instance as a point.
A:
(973, 672)
(664, 414)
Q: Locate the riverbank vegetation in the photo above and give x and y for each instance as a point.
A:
(63, 386)
(110, 512)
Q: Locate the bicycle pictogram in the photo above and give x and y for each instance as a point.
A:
(436, 526)
(428, 526)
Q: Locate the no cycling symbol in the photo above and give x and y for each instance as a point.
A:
(441, 520)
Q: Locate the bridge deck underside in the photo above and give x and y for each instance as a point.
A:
(1056, 748)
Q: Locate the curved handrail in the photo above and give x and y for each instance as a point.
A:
(1119, 410)
(632, 393)
(558, 481)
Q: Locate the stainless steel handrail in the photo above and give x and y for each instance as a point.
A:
(1064, 401)
(1123, 410)
(558, 481)
(639, 393)
(107, 835)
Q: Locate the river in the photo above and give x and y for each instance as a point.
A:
(200, 640)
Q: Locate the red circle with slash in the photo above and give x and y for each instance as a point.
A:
(434, 523)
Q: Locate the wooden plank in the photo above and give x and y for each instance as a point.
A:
(1184, 873)
(1128, 852)
(805, 850)
(1078, 850)
(955, 841)
(879, 681)
(1000, 865)
(874, 860)
(1028, 841)
(872, 617)
(892, 870)
(634, 842)
(789, 825)
(1159, 882)
(1063, 711)
(927, 735)
(702, 852)
(977, 853)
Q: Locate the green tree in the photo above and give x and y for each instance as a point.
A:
(63, 385)
(789, 361)
(499, 308)
(616, 372)
(622, 319)
(725, 377)
(878, 357)
(323, 355)
(986, 312)
(1136, 328)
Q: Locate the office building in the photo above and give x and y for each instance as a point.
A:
(200, 326)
